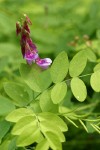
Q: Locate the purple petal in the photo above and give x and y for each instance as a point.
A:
(44, 63)
(30, 57)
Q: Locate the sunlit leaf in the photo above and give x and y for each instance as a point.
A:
(78, 89)
(59, 67)
(77, 64)
(95, 81)
(49, 126)
(53, 140)
(43, 145)
(90, 55)
(97, 67)
(55, 119)
(23, 124)
(17, 114)
(58, 92)
(29, 136)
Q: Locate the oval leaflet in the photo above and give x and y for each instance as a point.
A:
(78, 89)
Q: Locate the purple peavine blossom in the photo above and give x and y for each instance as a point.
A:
(28, 48)
(43, 63)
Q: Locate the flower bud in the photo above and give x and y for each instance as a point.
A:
(18, 28)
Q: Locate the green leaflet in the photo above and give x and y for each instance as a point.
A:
(95, 81)
(53, 118)
(17, 114)
(29, 136)
(58, 92)
(90, 55)
(46, 125)
(18, 93)
(23, 124)
(46, 103)
(6, 106)
(4, 127)
(77, 64)
(97, 67)
(53, 140)
(43, 145)
(29, 129)
(59, 67)
(37, 79)
(78, 89)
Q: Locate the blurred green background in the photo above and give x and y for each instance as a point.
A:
(56, 23)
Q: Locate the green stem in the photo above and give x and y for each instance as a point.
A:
(80, 76)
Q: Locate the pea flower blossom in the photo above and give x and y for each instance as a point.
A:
(28, 48)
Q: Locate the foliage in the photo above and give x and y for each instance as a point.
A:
(47, 109)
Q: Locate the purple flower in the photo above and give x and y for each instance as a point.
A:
(43, 63)
(28, 48)
(30, 57)
(30, 54)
